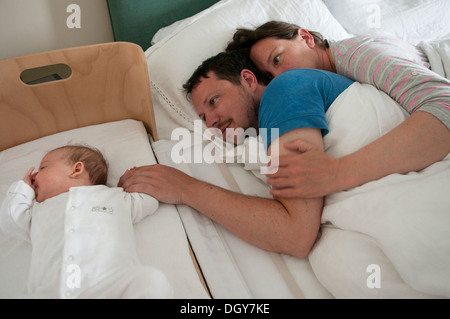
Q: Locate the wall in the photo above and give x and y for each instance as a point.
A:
(30, 26)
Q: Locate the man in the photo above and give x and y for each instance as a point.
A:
(226, 91)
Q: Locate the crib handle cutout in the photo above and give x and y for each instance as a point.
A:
(48, 73)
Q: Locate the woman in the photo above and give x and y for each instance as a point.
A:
(400, 70)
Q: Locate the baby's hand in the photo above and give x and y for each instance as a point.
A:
(28, 177)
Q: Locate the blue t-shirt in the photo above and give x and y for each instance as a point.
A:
(298, 98)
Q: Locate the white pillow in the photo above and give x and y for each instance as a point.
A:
(412, 21)
(167, 31)
(124, 144)
(172, 60)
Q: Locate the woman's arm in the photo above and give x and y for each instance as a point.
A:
(418, 142)
(421, 140)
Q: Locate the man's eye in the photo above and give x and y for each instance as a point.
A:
(276, 60)
(213, 101)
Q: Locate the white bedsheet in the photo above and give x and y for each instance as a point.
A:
(161, 239)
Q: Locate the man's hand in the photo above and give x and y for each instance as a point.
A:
(164, 183)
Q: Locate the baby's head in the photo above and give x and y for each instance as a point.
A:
(66, 167)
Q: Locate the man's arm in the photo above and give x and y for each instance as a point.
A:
(418, 142)
(287, 226)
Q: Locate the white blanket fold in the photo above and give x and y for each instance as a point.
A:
(438, 54)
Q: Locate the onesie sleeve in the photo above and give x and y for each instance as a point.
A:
(15, 212)
(142, 205)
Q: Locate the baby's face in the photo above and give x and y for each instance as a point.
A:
(53, 176)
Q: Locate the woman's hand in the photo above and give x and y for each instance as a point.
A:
(308, 174)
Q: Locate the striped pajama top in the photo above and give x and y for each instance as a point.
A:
(399, 69)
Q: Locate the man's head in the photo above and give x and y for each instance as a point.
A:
(226, 90)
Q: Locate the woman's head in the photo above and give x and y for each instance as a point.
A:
(278, 46)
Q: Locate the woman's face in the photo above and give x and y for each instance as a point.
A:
(274, 56)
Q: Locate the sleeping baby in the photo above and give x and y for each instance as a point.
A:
(81, 231)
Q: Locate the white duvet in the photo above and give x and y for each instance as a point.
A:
(387, 233)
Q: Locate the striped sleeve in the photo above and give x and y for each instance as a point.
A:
(397, 68)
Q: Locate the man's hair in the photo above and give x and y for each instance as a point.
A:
(244, 39)
(93, 160)
(226, 66)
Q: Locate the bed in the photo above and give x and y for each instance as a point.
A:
(96, 95)
(356, 256)
(349, 260)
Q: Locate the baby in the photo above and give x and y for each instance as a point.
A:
(81, 231)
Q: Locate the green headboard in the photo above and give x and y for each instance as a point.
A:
(138, 20)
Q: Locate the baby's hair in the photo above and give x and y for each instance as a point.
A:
(93, 160)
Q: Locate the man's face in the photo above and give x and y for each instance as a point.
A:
(224, 105)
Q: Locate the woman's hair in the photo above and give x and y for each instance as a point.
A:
(226, 66)
(244, 39)
(93, 160)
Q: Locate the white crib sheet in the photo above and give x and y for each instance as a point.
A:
(161, 240)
